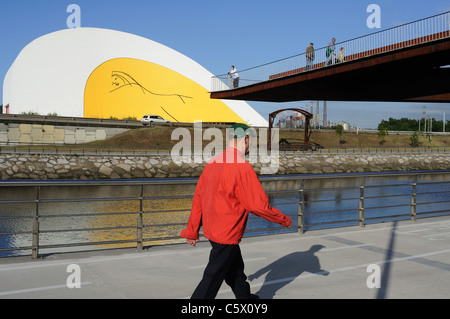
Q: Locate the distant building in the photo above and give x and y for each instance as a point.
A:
(90, 72)
(345, 125)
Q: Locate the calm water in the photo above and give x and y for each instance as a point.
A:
(325, 200)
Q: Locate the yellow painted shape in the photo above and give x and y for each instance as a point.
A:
(125, 87)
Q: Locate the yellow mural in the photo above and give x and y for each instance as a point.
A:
(125, 87)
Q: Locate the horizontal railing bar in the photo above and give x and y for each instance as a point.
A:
(387, 185)
(84, 229)
(17, 201)
(163, 238)
(330, 188)
(15, 248)
(332, 211)
(434, 212)
(389, 206)
(437, 192)
(160, 225)
(333, 222)
(89, 199)
(311, 201)
(16, 233)
(281, 204)
(390, 196)
(99, 243)
(264, 230)
(432, 183)
(166, 211)
(88, 214)
(17, 217)
(289, 191)
(436, 202)
(390, 216)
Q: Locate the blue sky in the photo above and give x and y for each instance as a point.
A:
(216, 34)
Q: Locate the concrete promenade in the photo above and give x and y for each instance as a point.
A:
(405, 259)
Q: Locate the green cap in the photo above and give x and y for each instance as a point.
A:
(241, 130)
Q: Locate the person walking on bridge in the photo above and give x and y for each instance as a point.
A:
(310, 56)
(227, 190)
(330, 53)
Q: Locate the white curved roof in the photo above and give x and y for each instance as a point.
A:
(50, 74)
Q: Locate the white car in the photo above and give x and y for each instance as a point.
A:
(150, 119)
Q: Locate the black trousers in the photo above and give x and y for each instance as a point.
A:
(225, 263)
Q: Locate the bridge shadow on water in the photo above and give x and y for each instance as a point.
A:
(286, 269)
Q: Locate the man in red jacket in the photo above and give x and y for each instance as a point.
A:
(226, 192)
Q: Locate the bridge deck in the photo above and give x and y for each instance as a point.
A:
(414, 259)
(413, 74)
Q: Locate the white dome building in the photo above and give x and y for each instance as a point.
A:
(90, 72)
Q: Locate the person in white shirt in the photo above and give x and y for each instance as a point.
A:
(330, 54)
(235, 75)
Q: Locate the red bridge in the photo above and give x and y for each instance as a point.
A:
(408, 63)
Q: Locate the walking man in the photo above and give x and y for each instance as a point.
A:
(310, 56)
(331, 55)
(226, 192)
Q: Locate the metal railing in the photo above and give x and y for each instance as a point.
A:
(155, 220)
(83, 149)
(410, 34)
(149, 150)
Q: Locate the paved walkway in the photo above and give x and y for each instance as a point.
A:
(405, 259)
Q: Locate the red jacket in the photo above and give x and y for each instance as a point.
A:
(226, 191)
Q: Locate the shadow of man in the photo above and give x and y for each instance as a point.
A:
(286, 269)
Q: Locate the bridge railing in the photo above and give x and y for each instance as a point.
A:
(164, 149)
(410, 34)
(61, 216)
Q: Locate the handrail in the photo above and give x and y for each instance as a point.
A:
(138, 230)
(418, 32)
(148, 150)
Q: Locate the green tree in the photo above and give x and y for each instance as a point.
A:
(405, 124)
(339, 129)
(414, 139)
(382, 133)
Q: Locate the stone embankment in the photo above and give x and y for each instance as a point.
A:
(54, 134)
(162, 166)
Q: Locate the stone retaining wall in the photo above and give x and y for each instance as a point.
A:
(54, 134)
(125, 167)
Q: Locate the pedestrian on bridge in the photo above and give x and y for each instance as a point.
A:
(330, 54)
(227, 190)
(310, 56)
(235, 75)
(341, 56)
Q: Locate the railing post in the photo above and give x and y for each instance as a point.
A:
(361, 203)
(35, 237)
(300, 209)
(413, 200)
(140, 222)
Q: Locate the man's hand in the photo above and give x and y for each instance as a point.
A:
(192, 242)
(290, 224)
